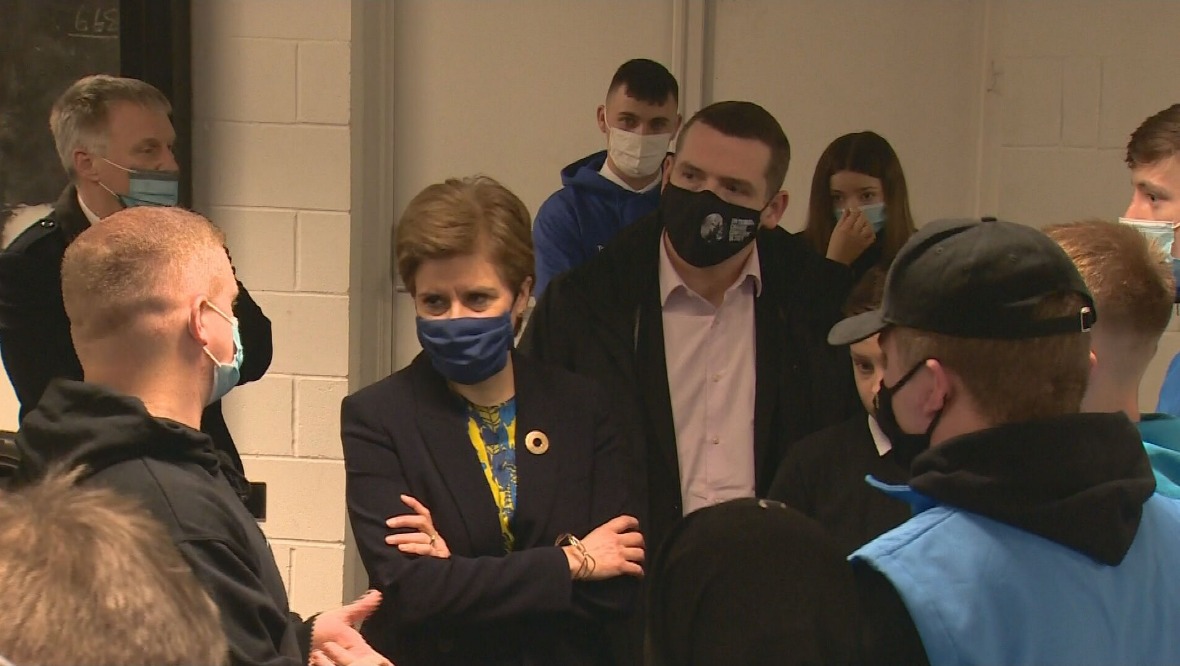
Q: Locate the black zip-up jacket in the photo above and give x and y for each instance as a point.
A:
(603, 320)
(173, 471)
(35, 339)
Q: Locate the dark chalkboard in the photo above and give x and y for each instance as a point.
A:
(45, 45)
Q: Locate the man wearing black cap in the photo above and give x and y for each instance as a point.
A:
(1037, 537)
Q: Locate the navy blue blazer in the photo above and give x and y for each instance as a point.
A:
(408, 434)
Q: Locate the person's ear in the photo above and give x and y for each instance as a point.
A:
(196, 322)
(521, 305)
(85, 165)
(941, 388)
(773, 212)
(602, 118)
(666, 176)
(676, 127)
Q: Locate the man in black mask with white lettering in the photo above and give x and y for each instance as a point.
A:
(706, 322)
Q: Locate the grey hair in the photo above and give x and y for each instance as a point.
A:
(79, 116)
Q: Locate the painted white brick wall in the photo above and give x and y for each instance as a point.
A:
(272, 169)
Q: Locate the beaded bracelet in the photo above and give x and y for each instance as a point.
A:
(586, 568)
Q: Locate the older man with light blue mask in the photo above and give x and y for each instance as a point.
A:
(115, 141)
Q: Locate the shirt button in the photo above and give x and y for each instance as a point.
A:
(715, 441)
(716, 377)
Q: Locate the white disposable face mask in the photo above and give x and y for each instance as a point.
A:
(637, 155)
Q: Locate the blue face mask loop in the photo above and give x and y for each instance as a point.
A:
(226, 375)
(147, 187)
(467, 350)
(874, 213)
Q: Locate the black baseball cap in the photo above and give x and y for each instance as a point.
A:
(975, 278)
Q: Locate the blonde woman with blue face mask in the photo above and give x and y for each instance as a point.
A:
(488, 493)
(859, 211)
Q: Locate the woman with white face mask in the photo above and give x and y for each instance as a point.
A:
(488, 493)
(859, 212)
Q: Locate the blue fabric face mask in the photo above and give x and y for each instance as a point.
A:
(1162, 233)
(874, 213)
(226, 375)
(467, 350)
(147, 187)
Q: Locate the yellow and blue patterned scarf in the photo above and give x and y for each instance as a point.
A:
(492, 431)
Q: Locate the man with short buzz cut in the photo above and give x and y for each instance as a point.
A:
(1037, 537)
(90, 578)
(608, 190)
(115, 140)
(1132, 286)
(150, 297)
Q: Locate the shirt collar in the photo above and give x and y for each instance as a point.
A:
(90, 216)
(613, 177)
(670, 280)
(879, 439)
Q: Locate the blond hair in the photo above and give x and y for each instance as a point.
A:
(1011, 381)
(1128, 276)
(138, 264)
(89, 577)
(464, 216)
(79, 118)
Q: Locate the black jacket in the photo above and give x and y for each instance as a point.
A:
(1079, 480)
(824, 478)
(603, 319)
(173, 471)
(35, 339)
(408, 434)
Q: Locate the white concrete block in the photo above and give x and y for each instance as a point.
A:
(259, 416)
(262, 244)
(1084, 27)
(310, 333)
(1133, 88)
(324, 247)
(286, 19)
(324, 69)
(1040, 187)
(1080, 102)
(317, 578)
(305, 498)
(244, 79)
(317, 417)
(1031, 91)
(276, 166)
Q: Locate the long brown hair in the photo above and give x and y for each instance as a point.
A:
(870, 154)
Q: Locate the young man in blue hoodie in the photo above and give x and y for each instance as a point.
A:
(1132, 286)
(604, 192)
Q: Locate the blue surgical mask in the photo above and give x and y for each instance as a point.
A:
(467, 350)
(147, 187)
(226, 375)
(874, 213)
(1162, 233)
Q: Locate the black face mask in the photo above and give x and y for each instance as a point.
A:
(905, 446)
(704, 229)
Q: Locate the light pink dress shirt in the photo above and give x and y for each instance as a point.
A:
(710, 358)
